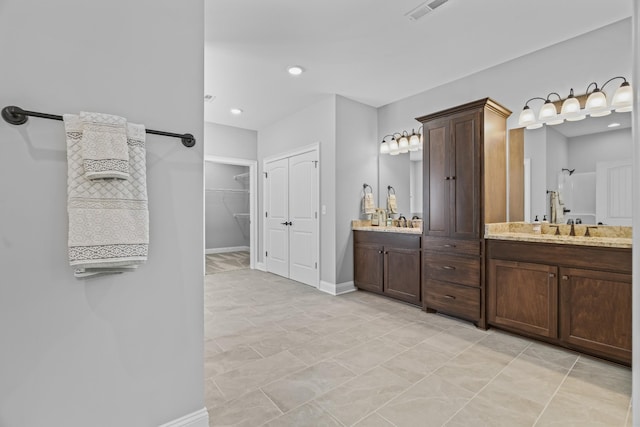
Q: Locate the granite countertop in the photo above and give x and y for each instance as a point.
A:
(365, 225)
(603, 235)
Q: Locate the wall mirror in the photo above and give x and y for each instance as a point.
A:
(588, 163)
(404, 173)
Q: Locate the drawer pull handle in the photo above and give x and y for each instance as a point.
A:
(565, 277)
(552, 275)
(448, 267)
(449, 297)
(449, 246)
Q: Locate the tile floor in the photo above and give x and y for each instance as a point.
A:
(228, 261)
(280, 353)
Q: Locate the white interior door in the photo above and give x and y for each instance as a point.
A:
(291, 217)
(614, 192)
(277, 217)
(303, 212)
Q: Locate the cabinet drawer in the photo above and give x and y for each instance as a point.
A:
(451, 268)
(451, 246)
(397, 240)
(453, 299)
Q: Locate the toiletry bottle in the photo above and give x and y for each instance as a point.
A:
(537, 228)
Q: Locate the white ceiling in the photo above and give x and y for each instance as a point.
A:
(367, 50)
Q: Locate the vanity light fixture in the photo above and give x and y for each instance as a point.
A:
(595, 106)
(401, 142)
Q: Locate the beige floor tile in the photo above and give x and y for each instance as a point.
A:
(299, 387)
(539, 352)
(257, 373)
(375, 420)
(567, 409)
(309, 415)
(359, 397)
(418, 362)
(412, 334)
(507, 411)
(367, 356)
(248, 336)
(430, 402)
(472, 369)
(213, 397)
(229, 360)
(284, 341)
(250, 410)
(456, 338)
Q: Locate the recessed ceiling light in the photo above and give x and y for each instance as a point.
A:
(295, 70)
(236, 111)
(613, 125)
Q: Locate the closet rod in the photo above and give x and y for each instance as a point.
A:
(17, 116)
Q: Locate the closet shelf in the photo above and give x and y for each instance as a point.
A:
(227, 190)
(241, 177)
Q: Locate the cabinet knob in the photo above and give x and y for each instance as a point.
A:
(453, 177)
(380, 252)
(552, 275)
(447, 178)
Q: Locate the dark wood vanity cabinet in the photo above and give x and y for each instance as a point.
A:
(388, 264)
(575, 296)
(464, 161)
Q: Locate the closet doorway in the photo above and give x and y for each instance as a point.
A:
(291, 222)
(230, 213)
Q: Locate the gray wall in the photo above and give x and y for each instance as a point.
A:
(314, 124)
(222, 229)
(585, 151)
(229, 141)
(123, 350)
(356, 163)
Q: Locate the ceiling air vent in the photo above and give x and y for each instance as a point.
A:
(424, 9)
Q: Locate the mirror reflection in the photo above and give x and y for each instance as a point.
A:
(404, 173)
(581, 171)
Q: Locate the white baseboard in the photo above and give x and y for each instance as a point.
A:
(225, 250)
(337, 289)
(198, 418)
(261, 266)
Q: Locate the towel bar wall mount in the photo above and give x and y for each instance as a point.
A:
(17, 116)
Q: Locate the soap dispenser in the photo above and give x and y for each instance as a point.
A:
(537, 227)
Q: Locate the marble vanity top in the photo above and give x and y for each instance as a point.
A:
(365, 225)
(601, 235)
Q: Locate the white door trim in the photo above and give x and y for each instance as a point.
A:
(253, 192)
(283, 155)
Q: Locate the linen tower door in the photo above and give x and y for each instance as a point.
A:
(291, 217)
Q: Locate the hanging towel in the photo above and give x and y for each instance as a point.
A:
(368, 207)
(104, 146)
(108, 219)
(557, 213)
(392, 204)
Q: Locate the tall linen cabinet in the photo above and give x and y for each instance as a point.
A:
(465, 187)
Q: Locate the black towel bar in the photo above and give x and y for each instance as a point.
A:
(17, 116)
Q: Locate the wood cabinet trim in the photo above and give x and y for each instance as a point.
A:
(479, 104)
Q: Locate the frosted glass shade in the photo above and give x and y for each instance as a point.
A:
(384, 148)
(527, 117)
(393, 147)
(414, 142)
(623, 98)
(403, 144)
(571, 109)
(548, 112)
(597, 104)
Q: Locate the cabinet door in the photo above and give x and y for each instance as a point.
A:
(464, 176)
(402, 274)
(523, 296)
(595, 311)
(368, 266)
(436, 186)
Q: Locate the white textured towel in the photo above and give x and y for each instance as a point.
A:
(108, 219)
(557, 211)
(368, 207)
(105, 152)
(392, 204)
